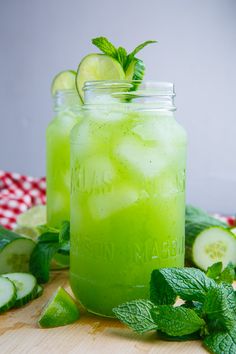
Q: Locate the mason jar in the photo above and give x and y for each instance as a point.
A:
(128, 159)
(67, 111)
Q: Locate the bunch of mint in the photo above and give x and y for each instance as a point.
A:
(50, 242)
(120, 53)
(208, 310)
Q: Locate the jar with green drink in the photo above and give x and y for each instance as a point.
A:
(128, 159)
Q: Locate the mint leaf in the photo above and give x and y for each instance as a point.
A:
(131, 56)
(189, 283)
(214, 270)
(176, 321)
(105, 46)
(64, 234)
(161, 293)
(136, 314)
(42, 229)
(228, 274)
(49, 243)
(222, 342)
(218, 308)
(41, 258)
(122, 56)
(186, 337)
(48, 237)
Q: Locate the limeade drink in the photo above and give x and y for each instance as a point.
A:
(128, 193)
(67, 109)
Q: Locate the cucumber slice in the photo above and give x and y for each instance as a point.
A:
(7, 294)
(15, 252)
(26, 287)
(212, 245)
(97, 67)
(135, 70)
(65, 80)
(59, 311)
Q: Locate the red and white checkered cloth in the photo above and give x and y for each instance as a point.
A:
(17, 194)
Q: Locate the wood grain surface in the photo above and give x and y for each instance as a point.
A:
(19, 333)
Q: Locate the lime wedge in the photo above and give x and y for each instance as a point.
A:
(97, 67)
(65, 80)
(27, 221)
(59, 311)
(32, 217)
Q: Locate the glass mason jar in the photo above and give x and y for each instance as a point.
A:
(67, 110)
(128, 160)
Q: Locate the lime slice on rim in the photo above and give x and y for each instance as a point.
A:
(65, 80)
(59, 311)
(97, 67)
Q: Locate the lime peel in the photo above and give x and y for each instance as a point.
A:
(60, 310)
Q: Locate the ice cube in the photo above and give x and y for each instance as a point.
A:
(148, 161)
(160, 128)
(95, 173)
(104, 205)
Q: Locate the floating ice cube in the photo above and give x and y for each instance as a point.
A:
(96, 173)
(161, 128)
(104, 205)
(149, 161)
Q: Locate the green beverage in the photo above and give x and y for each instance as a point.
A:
(67, 114)
(127, 194)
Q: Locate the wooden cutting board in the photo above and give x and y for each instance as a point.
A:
(19, 333)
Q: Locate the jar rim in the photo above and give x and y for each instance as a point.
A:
(132, 87)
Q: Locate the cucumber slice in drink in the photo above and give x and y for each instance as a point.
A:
(97, 67)
(135, 70)
(65, 80)
(214, 244)
(7, 294)
(15, 252)
(26, 287)
(59, 311)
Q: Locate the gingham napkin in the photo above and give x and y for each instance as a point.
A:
(17, 194)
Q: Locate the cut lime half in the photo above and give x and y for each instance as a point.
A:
(65, 80)
(97, 67)
(32, 217)
(59, 311)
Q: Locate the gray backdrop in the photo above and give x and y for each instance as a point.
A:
(196, 50)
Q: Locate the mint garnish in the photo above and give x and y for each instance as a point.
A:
(209, 310)
(49, 243)
(120, 54)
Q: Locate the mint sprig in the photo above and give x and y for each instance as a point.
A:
(49, 243)
(215, 272)
(120, 53)
(209, 310)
